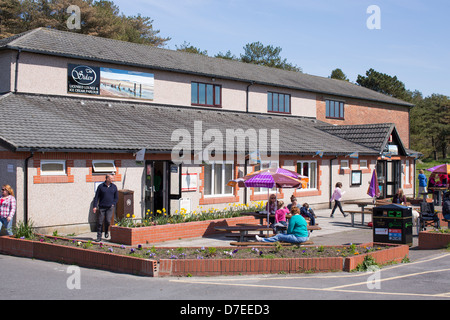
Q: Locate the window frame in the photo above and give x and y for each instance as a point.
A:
(96, 171)
(224, 179)
(62, 173)
(270, 102)
(300, 165)
(331, 115)
(215, 103)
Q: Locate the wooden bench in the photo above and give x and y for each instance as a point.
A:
(259, 244)
(362, 213)
(244, 230)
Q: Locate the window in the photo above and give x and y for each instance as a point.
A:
(363, 164)
(204, 94)
(53, 167)
(103, 166)
(344, 164)
(309, 169)
(217, 175)
(278, 102)
(334, 109)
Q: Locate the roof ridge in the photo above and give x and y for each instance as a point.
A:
(22, 35)
(158, 58)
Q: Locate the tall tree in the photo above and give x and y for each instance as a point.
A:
(430, 126)
(383, 83)
(269, 56)
(98, 18)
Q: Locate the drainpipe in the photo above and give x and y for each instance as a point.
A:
(331, 180)
(17, 70)
(246, 97)
(25, 190)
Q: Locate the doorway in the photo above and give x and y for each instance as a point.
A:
(162, 186)
(389, 177)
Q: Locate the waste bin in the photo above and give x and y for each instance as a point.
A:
(392, 224)
(125, 205)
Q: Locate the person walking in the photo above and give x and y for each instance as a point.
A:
(106, 198)
(337, 197)
(7, 208)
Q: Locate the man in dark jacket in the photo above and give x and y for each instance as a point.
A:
(106, 198)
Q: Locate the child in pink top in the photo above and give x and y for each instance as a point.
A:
(280, 218)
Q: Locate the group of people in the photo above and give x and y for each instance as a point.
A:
(297, 228)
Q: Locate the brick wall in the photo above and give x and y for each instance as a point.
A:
(364, 112)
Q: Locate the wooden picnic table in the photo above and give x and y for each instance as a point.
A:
(439, 194)
(262, 216)
(243, 231)
(362, 212)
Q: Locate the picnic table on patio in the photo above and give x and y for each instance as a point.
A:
(362, 212)
(439, 194)
(263, 215)
(242, 232)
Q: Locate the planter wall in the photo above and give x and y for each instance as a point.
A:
(205, 267)
(432, 240)
(167, 232)
(77, 256)
(395, 253)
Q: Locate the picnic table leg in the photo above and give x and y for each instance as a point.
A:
(353, 219)
(362, 219)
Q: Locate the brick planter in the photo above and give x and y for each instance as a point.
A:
(78, 256)
(204, 267)
(167, 232)
(395, 253)
(433, 240)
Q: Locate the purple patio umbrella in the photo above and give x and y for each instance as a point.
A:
(270, 178)
(374, 189)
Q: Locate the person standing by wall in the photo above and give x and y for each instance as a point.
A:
(7, 208)
(106, 198)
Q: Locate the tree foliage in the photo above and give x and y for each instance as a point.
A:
(98, 18)
(269, 56)
(429, 118)
(430, 126)
(383, 83)
(338, 74)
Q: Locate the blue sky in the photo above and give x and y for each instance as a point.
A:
(413, 42)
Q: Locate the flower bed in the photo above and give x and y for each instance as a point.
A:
(207, 261)
(160, 233)
(434, 239)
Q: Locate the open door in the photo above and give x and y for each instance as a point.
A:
(162, 186)
(174, 194)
